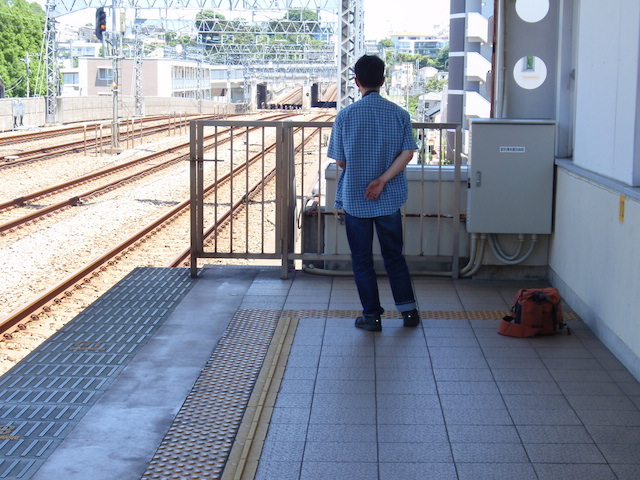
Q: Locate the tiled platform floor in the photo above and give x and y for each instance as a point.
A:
(450, 399)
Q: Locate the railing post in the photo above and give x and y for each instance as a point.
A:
(455, 263)
(196, 180)
(285, 192)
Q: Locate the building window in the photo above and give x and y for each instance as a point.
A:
(71, 78)
(105, 74)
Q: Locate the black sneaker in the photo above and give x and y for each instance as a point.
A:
(372, 324)
(411, 318)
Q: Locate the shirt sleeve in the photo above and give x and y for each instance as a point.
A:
(336, 148)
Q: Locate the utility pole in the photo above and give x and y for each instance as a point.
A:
(115, 54)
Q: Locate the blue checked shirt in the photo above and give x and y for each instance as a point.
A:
(368, 135)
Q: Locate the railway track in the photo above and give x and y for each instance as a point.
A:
(129, 252)
(175, 155)
(93, 138)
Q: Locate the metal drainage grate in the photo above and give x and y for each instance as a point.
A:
(44, 397)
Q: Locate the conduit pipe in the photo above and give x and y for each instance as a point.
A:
(514, 261)
(473, 267)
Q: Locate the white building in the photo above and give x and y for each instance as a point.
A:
(419, 44)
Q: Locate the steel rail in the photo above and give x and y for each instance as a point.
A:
(76, 199)
(27, 312)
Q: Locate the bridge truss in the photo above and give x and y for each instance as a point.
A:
(317, 35)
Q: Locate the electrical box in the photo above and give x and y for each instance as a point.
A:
(511, 171)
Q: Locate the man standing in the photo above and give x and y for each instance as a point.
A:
(372, 141)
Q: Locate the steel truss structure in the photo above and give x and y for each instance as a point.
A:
(300, 36)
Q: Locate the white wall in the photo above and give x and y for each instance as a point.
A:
(595, 258)
(607, 89)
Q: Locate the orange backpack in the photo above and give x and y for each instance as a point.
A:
(536, 311)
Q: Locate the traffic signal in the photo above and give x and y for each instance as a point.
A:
(101, 22)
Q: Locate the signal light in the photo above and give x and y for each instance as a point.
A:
(101, 22)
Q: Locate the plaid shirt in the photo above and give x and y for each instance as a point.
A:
(368, 135)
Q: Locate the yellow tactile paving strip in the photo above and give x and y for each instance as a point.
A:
(220, 429)
(198, 443)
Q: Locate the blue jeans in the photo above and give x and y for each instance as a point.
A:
(360, 236)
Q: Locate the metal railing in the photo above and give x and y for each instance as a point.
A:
(264, 191)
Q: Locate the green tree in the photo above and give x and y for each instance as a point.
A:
(442, 60)
(21, 36)
(434, 85)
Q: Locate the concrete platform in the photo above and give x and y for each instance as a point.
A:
(240, 374)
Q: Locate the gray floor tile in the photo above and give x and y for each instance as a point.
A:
(483, 434)
(473, 416)
(345, 386)
(394, 416)
(423, 386)
(477, 401)
(341, 433)
(361, 452)
(408, 402)
(282, 451)
(558, 416)
(450, 374)
(290, 415)
(286, 432)
(496, 471)
(528, 388)
(417, 471)
(515, 375)
(489, 453)
(468, 388)
(554, 434)
(590, 388)
(342, 416)
(601, 402)
(297, 386)
(268, 470)
(540, 402)
(344, 400)
(366, 372)
(412, 433)
(566, 453)
(614, 418)
(626, 472)
(620, 453)
(615, 434)
(574, 472)
(326, 470)
(415, 452)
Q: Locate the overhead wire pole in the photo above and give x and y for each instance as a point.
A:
(351, 47)
(51, 64)
(138, 65)
(115, 54)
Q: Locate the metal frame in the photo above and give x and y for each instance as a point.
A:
(300, 56)
(289, 200)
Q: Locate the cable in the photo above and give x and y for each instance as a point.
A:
(513, 261)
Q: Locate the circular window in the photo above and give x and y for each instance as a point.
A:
(530, 72)
(532, 11)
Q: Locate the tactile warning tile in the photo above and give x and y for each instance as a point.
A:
(44, 397)
(199, 441)
(425, 314)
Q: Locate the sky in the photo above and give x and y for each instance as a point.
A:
(383, 17)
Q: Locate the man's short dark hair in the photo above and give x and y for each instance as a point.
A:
(370, 71)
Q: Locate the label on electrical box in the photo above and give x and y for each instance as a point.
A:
(512, 149)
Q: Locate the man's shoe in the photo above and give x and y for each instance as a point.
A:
(372, 324)
(411, 318)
